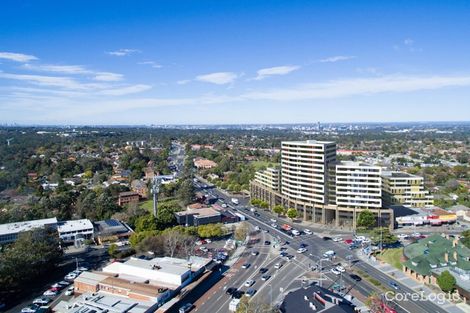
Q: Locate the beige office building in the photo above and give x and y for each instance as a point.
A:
(401, 188)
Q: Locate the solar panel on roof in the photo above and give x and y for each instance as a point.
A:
(112, 223)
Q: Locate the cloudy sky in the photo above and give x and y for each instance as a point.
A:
(199, 62)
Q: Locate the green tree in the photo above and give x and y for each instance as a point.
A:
(210, 231)
(186, 192)
(366, 219)
(278, 209)
(292, 213)
(446, 281)
(113, 250)
(145, 223)
(33, 255)
(241, 231)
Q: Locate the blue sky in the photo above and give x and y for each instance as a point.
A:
(198, 62)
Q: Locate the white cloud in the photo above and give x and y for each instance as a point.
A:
(123, 52)
(17, 57)
(183, 81)
(336, 58)
(360, 87)
(108, 77)
(65, 69)
(152, 64)
(62, 82)
(277, 70)
(408, 42)
(126, 90)
(219, 78)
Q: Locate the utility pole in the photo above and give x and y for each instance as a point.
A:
(155, 189)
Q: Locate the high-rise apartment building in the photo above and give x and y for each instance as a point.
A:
(320, 188)
(304, 169)
(269, 178)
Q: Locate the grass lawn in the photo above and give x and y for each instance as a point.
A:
(148, 204)
(259, 164)
(392, 257)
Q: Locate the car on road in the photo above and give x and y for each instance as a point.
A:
(249, 283)
(308, 231)
(231, 290)
(42, 301)
(224, 205)
(83, 268)
(263, 270)
(250, 292)
(50, 293)
(326, 238)
(328, 254)
(70, 291)
(335, 271)
(32, 308)
(70, 276)
(341, 269)
(402, 236)
(274, 225)
(265, 277)
(254, 253)
(186, 308)
(273, 220)
(237, 294)
(246, 265)
(278, 265)
(64, 283)
(301, 250)
(337, 239)
(355, 277)
(295, 232)
(57, 285)
(267, 243)
(303, 245)
(394, 285)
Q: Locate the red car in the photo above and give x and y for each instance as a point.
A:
(348, 241)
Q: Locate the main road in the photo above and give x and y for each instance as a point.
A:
(317, 246)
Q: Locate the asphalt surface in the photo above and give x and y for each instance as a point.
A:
(316, 247)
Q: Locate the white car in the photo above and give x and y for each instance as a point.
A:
(335, 271)
(249, 283)
(341, 269)
(30, 309)
(41, 301)
(273, 220)
(50, 293)
(69, 291)
(308, 231)
(224, 205)
(208, 240)
(402, 236)
(70, 276)
(274, 225)
(295, 232)
(301, 250)
(337, 239)
(277, 265)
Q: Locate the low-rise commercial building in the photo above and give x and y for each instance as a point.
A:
(9, 232)
(401, 188)
(156, 280)
(198, 216)
(429, 257)
(70, 231)
(111, 230)
(104, 302)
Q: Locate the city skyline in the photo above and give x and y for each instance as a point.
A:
(226, 63)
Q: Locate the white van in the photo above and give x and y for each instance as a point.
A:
(329, 254)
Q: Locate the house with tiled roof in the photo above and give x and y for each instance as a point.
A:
(429, 257)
